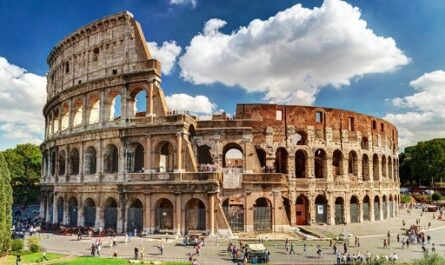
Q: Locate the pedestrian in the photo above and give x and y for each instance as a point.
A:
(136, 253)
(93, 250)
(345, 248)
(338, 255)
(18, 259)
(98, 249)
(286, 245)
(385, 243)
(319, 251)
(358, 242)
(142, 252)
(335, 248)
(304, 249)
(433, 248)
(428, 237)
(398, 237)
(115, 254)
(126, 238)
(43, 256)
(291, 248)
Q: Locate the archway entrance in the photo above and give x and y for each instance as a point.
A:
(321, 209)
(195, 215)
(60, 210)
(385, 207)
(262, 217)
(354, 210)
(302, 208)
(366, 209)
(234, 213)
(89, 213)
(135, 216)
(164, 215)
(391, 206)
(72, 209)
(339, 211)
(376, 208)
(110, 214)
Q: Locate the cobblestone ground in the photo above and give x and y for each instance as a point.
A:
(214, 253)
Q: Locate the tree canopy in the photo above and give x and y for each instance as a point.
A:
(423, 163)
(24, 163)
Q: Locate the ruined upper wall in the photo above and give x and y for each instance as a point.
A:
(109, 46)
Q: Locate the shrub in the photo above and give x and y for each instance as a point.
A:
(436, 196)
(34, 244)
(405, 198)
(17, 245)
(431, 259)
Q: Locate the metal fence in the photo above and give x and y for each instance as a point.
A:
(339, 213)
(376, 211)
(195, 219)
(110, 217)
(135, 219)
(235, 217)
(355, 213)
(321, 215)
(366, 216)
(262, 219)
(164, 218)
(90, 216)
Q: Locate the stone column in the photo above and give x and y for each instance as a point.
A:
(80, 215)
(212, 213)
(275, 211)
(179, 152)
(148, 166)
(360, 211)
(293, 211)
(70, 114)
(99, 218)
(331, 210)
(42, 206)
(346, 211)
(312, 210)
(65, 211)
(102, 118)
(85, 112)
(178, 208)
(147, 214)
(124, 104)
(371, 209)
(121, 224)
(248, 222)
(329, 167)
(54, 209)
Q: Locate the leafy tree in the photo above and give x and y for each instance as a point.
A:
(24, 162)
(436, 196)
(5, 206)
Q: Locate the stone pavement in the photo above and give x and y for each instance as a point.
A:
(214, 253)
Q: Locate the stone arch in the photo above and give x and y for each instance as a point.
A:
(302, 210)
(89, 212)
(60, 210)
(303, 137)
(300, 164)
(366, 208)
(262, 217)
(320, 164)
(65, 114)
(137, 102)
(90, 160)
(281, 160)
(62, 158)
(233, 156)
(72, 211)
(78, 110)
(375, 167)
(234, 213)
(74, 162)
(383, 166)
(93, 109)
(261, 154)
(111, 159)
(195, 215)
(364, 143)
(353, 163)
(385, 207)
(136, 158)
(321, 209)
(112, 105)
(135, 216)
(365, 167)
(339, 210)
(165, 156)
(337, 163)
(354, 209)
(164, 215)
(390, 175)
(53, 162)
(391, 206)
(110, 214)
(191, 133)
(376, 208)
(204, 155)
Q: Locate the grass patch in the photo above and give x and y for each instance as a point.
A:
(31, 258)
(106, 261)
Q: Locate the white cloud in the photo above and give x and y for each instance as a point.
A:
(199, 105)
(193, 3)
(424, 115)
(22, 96)
(166, 54)
(291, 55)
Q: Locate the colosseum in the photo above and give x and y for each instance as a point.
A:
(108, 164)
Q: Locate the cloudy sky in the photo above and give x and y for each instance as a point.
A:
(383, 58)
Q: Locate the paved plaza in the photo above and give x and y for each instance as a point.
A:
(215, 252)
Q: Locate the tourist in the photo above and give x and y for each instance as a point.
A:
(291, 248)
(338, 255)
(98, 247)
(43, 255)
(142, 252)
(433, 248)
(126, 238)
(335, 248)
(136, 253)
(345, 248)
(428, 238)
(385, 243)
(93, 250)
(398, 237)
(304, 250)
(115, 254)
(18, 259)
(393, 257)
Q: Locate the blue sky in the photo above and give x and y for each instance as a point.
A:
(402, 82)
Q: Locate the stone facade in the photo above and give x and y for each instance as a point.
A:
(271, 167)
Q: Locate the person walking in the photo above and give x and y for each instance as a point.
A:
(304, 250)
(385, 243)
(136, 253)
(338, 256)
(291, 249)
(142, 252)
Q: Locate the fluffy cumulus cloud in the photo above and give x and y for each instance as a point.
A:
(291, 55)
(199, 105)
(22, 96)
(421, 116)
(193, 3)
(166, 54)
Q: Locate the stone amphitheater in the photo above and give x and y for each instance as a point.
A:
(269, 168)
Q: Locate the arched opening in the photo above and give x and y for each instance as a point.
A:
(78, 113)
(166, 157)
(110, 214)
(49, 125)
(262, 217)
(53, 163)
(74, 162)
(385, 207)
(65, 122)
(113, 107)
(303, 138)
(302, 210)
(339, 211)
(337, 163)
(281, 160)
(390, 175)
(300, 164)
(391, 206)
(195, 215)
(164, 215)
(376, 208)
(89, 212)
(233, 156)
(352, 163)
(135, 216)
(321, 209)
(60, 210)
(261, 154)
(204, 157)
(192, 133)
(365, 167)
(234, 212)
(111, 159)
(72, 211)
(139, 103)
(135, 158)
(383, 166)
(320, 163)
(375, 167)
(56, 121)
(90, 160)
(286, 204)
(365, 143)
(62, 157)
(94, 110)
(354, 208)
(366, 209)
(51, 206)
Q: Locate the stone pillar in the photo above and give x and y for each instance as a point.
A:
(149, 101)
(70, 114)
(291, 165)
(329, 167)
(148, 166)
(312, 211)
(360, 211)
(85, 112)
(102, 118)
(121, 224)
(147, 214)
(99, 218)
(347, 211)
(124, 104)
(178, 208)
(81, 161)
(80, 215)
(248, 222)
(179, 152)
(331, 210)
(65, 211)
(99, 157)
(212, 213)
(371, 209)
(42, 207)
(275, 211)
(54, 209)
(293, 211)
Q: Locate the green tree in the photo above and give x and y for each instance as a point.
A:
(5, 206)
(24, 162)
